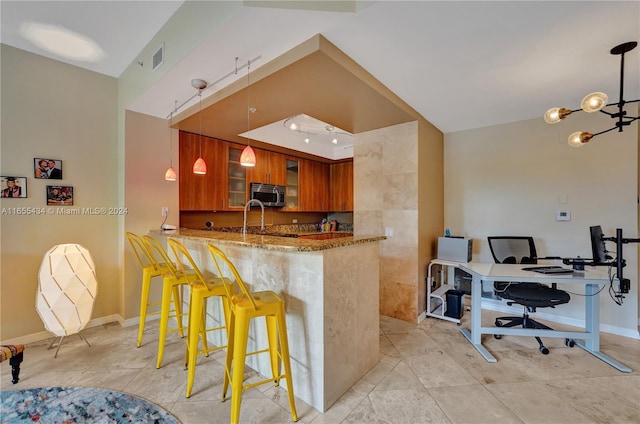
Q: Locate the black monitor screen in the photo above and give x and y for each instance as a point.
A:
(597, 245)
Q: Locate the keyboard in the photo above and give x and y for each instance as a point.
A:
(551, 269)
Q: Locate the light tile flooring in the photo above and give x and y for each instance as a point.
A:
(427, 373)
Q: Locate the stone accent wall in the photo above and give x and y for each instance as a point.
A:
(386, 196)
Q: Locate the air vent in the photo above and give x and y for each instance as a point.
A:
(158, 58)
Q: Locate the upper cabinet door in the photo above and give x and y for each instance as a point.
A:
(293, 184)
(271, 168)
(277, 168)
(314, 186)
(208, 191)
(237, 187)
(342, 186)
(260, 172)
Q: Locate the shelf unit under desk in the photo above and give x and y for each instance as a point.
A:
(436, 299)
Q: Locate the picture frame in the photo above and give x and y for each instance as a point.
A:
(59, 195)
(13, 187)
(45, 168)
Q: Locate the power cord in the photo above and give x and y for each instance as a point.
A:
(616, 296)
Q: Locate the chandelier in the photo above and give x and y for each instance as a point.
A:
(597, 101)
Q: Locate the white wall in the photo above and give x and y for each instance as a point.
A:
(511, 179)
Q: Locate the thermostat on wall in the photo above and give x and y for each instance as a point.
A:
(563, 216)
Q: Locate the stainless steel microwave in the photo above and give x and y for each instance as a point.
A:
(269, 194)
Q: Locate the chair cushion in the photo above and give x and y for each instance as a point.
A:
(534, 295)
(7, 351)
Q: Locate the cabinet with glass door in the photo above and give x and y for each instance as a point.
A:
(292, 184)
(237, 179)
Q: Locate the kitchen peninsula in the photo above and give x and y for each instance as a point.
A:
(330, 288)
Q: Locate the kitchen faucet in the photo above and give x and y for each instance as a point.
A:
(247, 206)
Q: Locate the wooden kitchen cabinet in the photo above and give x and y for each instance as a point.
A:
(208, 191)
(237, 182)
(293, 184)
(271, 168)
(341, 183)
(313, 186)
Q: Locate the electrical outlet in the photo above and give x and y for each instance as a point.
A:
(165, 210)
(295, 221)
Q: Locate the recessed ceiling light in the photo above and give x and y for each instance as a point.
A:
(62, 42)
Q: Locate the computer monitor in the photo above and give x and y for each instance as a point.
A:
(597, 245)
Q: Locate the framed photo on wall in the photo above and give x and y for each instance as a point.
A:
(59, 195)
(47, 168)
(12, 187)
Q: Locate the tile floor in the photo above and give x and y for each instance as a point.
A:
(427, 373)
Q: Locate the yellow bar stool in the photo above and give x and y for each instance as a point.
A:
(150, 268)
(172, 279)
(201, 290)
(246, 306)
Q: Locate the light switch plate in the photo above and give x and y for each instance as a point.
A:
(563, 216)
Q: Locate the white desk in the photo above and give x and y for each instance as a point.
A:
(508, 272)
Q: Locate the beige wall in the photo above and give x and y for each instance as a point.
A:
(511, 179)
(148, 150)
(389, 187)
(53, 110)
(430, 201)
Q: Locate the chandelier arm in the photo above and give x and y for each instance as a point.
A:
(605, 131)
(607, 113)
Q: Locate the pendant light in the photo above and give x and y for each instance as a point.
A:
(170, 175)
(200, 166)
(248, 156)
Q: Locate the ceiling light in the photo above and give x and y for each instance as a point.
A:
(62, 42)
(200, 166)
(335, 140)
(306, 140)
(248, 156)
(293, 126)
(597, 101)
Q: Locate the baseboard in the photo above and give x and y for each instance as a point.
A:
(136, 320)
(422, 316)
(43, 335)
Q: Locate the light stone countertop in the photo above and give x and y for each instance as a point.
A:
(268, 242)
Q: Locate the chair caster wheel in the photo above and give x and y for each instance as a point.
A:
(544, 350)
(497, 336)
(569, 342)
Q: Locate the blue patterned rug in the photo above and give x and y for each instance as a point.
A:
(66, 405)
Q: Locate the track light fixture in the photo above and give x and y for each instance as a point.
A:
(309, 126)
(597, 101)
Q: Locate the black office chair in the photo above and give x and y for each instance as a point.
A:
(522, 250)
